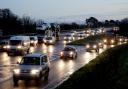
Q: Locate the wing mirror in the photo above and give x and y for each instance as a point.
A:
(18, 62)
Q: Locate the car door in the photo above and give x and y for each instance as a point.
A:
(44, 63)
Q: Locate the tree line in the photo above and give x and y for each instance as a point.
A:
(13, 24)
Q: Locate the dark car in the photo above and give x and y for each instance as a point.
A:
(68, 52)
(40, 39)
(90, 46)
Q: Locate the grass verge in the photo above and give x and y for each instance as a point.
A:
(109, 70)
(88, 39)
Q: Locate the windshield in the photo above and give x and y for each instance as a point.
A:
(49, 38)
(68, 49)
(32, 38)
(30, 61)
(68, 35)
(3, 43)
(15, 42)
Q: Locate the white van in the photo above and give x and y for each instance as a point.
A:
(19, 44)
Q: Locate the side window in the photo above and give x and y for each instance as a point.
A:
(44, 59)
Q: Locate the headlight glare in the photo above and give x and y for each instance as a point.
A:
(94, 46)
(16, 71)
(19, 47)
(34, 71)
(8, 46)
(71, 53)
(87, 46)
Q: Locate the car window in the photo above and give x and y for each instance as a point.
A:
(30, 61)
(44, 59)
(68, 49)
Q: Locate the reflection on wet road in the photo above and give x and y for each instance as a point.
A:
(59, 69)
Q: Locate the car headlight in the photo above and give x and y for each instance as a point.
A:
(4, 47)
(61, 53)
(32, 41)
(71, 53)
(34, 71)
(16, 71)
(50, 41)
(105, 40)
(19, 47)
(87, 46)
(112, 41)
(44, 40)
(100, 44)
(65, 37)
(25, 43)
(94, 46)
(126, 39)
(120, 39)
(8, 46)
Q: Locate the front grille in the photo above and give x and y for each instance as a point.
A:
(25, 71)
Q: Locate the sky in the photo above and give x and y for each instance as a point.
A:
(68, 9)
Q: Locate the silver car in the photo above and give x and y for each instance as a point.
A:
(32, 66)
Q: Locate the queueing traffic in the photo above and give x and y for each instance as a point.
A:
(36, 65)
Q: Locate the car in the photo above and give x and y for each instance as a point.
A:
(40, 39)
(42, 27)
(32, 67)
(33, 40)
(125, 39)
(110, 41)
(93, 45)
(120, 39)
(4, 45)
(88, 32)
(49, 40)
(69, 37)
(81, 35)
(68, 52)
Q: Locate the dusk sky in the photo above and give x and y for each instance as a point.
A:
(41, 9)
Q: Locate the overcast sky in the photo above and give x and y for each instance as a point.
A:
(113, 9)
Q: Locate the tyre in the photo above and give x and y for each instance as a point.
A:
(46, 75)
(15, 81)
(28, 51)
(76, 55)
(38, 81)
(97, 50)
(73, 56)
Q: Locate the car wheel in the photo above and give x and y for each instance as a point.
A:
(15, 82)
(46, 75)
(97, 50)
(73, 56)
(28, 51)
(76, 55)
(38, 81)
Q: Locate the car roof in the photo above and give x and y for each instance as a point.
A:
(35, 55)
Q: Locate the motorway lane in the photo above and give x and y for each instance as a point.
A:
(60, 69)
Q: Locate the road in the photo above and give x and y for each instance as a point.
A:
(59, 69)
